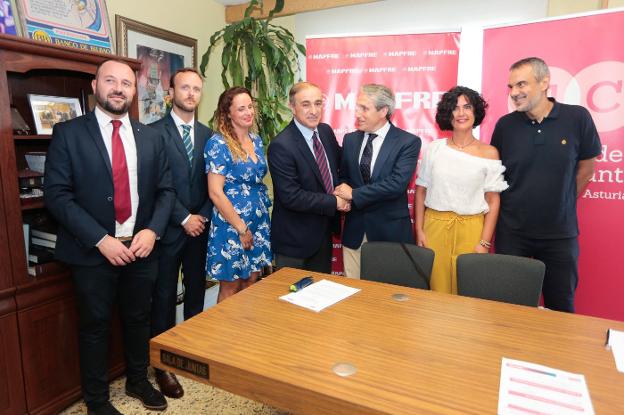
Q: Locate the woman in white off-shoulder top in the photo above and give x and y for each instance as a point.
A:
(458, 187)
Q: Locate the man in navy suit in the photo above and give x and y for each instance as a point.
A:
(378, 162)
(108, 184)
(185, 240)
(304, 160)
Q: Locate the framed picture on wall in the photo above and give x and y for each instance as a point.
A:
(82, 24)
(7, 19)
(49, 110)
(161, 53)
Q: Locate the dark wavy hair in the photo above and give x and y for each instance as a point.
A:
(444, 115)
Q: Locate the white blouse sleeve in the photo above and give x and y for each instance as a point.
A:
(494, 179)
(424, 173)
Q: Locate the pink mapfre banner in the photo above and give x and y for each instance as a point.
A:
(419, 68)
(587, 68)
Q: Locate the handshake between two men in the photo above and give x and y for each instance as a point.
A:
(343, 193)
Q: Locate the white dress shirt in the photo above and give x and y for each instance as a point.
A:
(377, 143)
(307, 135)
(179, 123)
(127, 138)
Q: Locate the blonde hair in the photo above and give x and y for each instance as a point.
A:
(224, 123)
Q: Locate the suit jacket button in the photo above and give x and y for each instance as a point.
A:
(110, 198)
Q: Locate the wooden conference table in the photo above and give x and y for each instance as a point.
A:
(432, 354)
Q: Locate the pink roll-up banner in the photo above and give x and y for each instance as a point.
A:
(586, 59)
(419, 68)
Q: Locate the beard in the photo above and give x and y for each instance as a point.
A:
(529, 103)
(112, 107)
(183, 105)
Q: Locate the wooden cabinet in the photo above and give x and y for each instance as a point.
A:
(12, 399)
(39, 368)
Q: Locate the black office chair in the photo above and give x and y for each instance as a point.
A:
(506, 278)
(396, 263)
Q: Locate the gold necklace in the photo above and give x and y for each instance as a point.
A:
(461, 148)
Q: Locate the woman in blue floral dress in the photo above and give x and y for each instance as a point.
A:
(239, 242)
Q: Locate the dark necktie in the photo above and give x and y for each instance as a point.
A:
(319, 154)
(121, 181)
(367, 158)
(186, 140)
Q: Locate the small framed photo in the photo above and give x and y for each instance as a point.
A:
(49, 110)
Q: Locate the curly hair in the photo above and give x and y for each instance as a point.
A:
(448, 102)
(223, 122)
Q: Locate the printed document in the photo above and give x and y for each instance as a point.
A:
(320, 295)
(616, 342)
(528, 388)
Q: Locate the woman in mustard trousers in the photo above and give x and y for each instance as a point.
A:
(458, 187)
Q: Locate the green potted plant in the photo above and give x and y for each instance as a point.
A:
(263, 57)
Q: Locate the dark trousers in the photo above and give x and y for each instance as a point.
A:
(319, 262)
(190, 253)
(97, 289)
(561, 259)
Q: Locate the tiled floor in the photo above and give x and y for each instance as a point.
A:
(198, 398)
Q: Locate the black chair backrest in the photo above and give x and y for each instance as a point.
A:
(506, 278)
(396, 263)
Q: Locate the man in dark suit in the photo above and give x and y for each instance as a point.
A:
(378, 162)
(304, 160)
(107, 182)
(185, 240)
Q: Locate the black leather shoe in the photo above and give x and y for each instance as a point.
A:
(150, 397)
(169, 385)
(104, 409)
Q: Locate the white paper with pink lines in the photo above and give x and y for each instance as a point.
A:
(528, 388)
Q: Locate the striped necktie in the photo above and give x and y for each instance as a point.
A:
(186, 140)
(319, 154)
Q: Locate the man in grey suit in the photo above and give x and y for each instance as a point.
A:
(185, 240)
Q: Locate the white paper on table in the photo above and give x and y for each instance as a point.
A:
(616, 342)
(530, 388)
(320, 295)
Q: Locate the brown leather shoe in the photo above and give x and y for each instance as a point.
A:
(169, 385)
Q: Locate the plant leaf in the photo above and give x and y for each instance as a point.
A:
(262, 57)
(279, 6)
(253, 4)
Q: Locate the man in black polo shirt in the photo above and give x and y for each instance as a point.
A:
(549, 150)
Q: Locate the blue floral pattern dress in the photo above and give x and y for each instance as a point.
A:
(226, 259)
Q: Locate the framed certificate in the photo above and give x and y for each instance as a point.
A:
(81, 24)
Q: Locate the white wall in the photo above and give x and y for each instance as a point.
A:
(421, 16)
